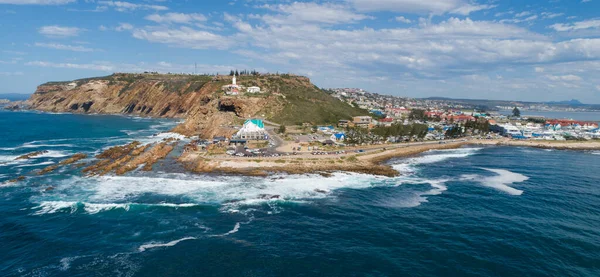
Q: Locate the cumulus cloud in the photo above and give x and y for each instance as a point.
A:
(37, 2)
(439, 7)
(58, 46)
(163, 67)
(580, 25)
(59, 31)
(403, 19)
(305, 12)
(122, 6)
(183, 37)
(16, 73)
(181, 18)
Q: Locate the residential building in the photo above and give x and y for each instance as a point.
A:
(362, 121)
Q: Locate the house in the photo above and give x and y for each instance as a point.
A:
(253, 90)
(343, 123)
(253, 129)
(329, 142)
(362, 121)
(338, 137)
(385, 121)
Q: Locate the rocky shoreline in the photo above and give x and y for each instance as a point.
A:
(367, 163)
(123, 159)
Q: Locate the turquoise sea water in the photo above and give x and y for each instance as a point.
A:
(492, 211)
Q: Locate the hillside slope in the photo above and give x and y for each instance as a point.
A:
(199, 99)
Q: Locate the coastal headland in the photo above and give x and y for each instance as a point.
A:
(212, 108)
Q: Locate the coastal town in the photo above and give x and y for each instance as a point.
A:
(391, 121)
(256, 124)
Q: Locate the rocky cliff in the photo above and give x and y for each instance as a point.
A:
(286, 99)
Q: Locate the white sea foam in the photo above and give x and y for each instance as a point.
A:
(53, 154)
(204, 189)
(501, 181)
(232, 192)
(168, 244)
(433, 156)
(159, 137)
(7, 158)
(50, 207)
(38, 164)
(235, 229)
(596, 153)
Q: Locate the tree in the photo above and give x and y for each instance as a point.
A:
(516, 112)
(281, 129)
(417, 114)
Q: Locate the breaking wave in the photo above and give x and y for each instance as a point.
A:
(434, 156)
(232, 193)
(50, 207)
(38, 164)
(500, 181)
(168, 244)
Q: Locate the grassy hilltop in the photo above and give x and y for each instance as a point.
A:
(287, 99)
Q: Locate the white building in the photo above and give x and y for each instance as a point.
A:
(253, 90)
(253, 129)
(233, 88)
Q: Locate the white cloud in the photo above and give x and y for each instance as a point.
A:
(36, 2)
(586, 24)
(124, 27)
(17, 73)
(539, 69)
(598, 87)
(183, 37)
(162, 67)
(92, 66)
(128, 6)
(439, 7)
(59, 31)
(403, 19)
(303, 12)
(567, 78)
(181, 18)
(59, 46)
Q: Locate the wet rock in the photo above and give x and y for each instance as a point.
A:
(31, 155)
(268, 196)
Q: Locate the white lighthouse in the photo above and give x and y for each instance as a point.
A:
(234, 82)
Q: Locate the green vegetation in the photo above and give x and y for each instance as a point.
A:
(305, 102)
(417, 114)
(516, 112)
(281, 129)
(399, 130)
(454, 132)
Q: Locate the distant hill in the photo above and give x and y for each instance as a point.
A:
(491, 104)
(288, 99)
(572, 102)
(14, 96)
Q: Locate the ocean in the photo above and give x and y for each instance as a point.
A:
(474, 211)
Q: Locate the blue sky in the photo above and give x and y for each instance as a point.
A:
(495, 49)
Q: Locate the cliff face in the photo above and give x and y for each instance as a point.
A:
(199, 99)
